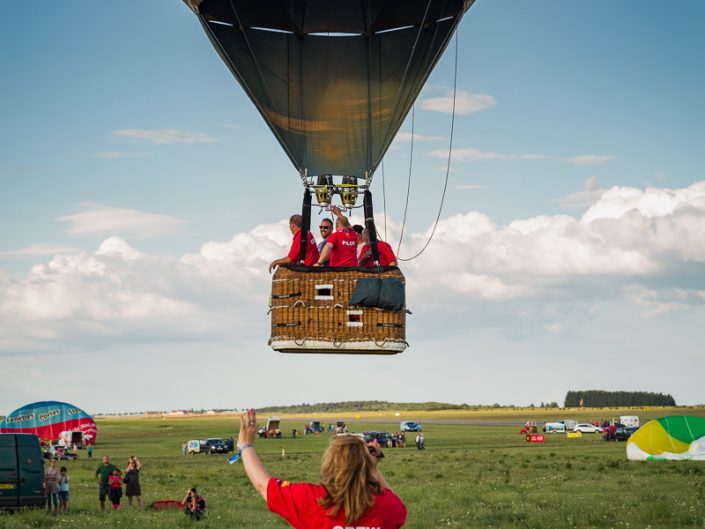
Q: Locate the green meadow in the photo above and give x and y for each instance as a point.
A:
(475, 476)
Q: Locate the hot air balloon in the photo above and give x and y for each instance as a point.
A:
(676, 437)
(334, 81)
(52, 421)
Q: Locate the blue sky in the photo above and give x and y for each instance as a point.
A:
(143, 196)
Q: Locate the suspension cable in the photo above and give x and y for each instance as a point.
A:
(450, 150)
(408, 183)
(384, 201)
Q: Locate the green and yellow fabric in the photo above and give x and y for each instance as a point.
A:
(675, 437)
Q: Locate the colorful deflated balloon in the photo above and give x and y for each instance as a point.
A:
(49, 419)
(676, 437)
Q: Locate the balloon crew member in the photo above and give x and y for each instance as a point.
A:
(293, 255)
(341, 246)
(386, 254)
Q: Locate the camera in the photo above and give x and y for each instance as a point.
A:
(375, 451)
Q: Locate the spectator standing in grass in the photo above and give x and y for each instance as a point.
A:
(132, 481)
(51, 478)
(89, 450)
(351, 490)
(102, 475)
(420, 442)
(63, 490)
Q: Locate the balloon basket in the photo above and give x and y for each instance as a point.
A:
(311, 313)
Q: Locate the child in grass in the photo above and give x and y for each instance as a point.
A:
(63, 490)
(115, 492)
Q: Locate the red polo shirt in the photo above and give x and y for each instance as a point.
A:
(311, 249)
(386, 255)
(298, 504)
(344, 248)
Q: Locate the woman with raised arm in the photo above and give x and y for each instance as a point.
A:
(351, 491)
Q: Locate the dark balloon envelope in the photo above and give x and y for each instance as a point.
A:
(334, 80)
(49, 419)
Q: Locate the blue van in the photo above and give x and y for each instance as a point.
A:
(21, 471)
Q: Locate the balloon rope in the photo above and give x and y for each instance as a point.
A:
(408, 183)
(233, 68)
(384, 202)
(450, 150)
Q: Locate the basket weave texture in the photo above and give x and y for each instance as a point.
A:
(301, 311)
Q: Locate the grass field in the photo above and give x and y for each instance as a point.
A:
(475, 476)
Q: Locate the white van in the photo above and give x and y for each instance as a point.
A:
(196, 446)
(629, 420)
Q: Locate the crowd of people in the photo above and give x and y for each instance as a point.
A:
(348, 245)
(110, 480)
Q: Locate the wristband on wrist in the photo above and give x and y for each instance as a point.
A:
(232, 459)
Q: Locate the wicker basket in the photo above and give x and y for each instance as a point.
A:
(311, 313)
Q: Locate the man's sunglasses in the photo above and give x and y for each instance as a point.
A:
(325, 227)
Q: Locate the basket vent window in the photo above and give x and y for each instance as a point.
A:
(355, 318)
(324, 292)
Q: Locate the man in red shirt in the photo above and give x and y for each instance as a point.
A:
(293, 255)
(341, 246)
(386, 254)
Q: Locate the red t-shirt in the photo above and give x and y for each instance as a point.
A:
(344, 248)
(115, 481)
(311, 249)
(298, 504)
(386, 255)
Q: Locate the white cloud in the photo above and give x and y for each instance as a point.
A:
(656, 233)
(406, 137)
(96, 219)
(114, 155)
(36, 250)
(468, 154)
(589, 159)
(162, 136)
(465, 103)
(222, 288)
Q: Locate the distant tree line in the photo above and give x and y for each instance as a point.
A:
(371, 405)
(594, 398)
(362, 405)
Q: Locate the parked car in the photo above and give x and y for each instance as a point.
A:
(559, 426)
(216, 446)
(624, 432)
(410, 426)
(59, 452)
(585, 427)
(313, 427)
(381, 437)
